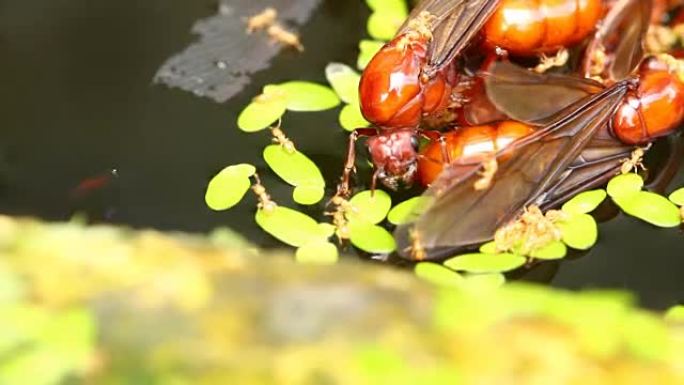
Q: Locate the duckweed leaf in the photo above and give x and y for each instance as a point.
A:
(492, 280)
(294, 168)
(579, 231)
(351, 117)
(229, 186)
(382, 25)
(289, 226)
(555, 250)
(307, 96)
(585, 202)
(367, 49)
(624, 185)
(407, 211)
(489, 248)
(327, 230)
(264, 110)
(437, 274)
(345, 81)
(650, 207)
(677, 197)
(397, 6)
(371, 238)
(485, 263)
(308, 194)
(370, 207)
(319, 252)
(675, 314)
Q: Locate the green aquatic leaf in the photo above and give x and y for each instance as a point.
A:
(579, 231)
(370, 207)
(264, 110)
(229, 186)
(294, 168)
(555, 250)
(408, 210)
(383, 25)
(351, 118)
(485, 263)
(327, 230)
(289, 226)
(397, 6)
(319, 252)
(437, 274)
(585, 202)
(492, 280)
(675, 314)
(308, 194)
(646, 336)
(371, 238)
(367, 49)
(650, 207)
(307, 96)
(624, 185)
(489, 248)
(677, 197)
(345, 81)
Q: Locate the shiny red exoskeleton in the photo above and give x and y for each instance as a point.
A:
(525, 27)
(414, 80)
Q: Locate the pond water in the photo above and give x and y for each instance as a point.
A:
(78, 101)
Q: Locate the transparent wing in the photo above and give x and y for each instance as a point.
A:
(460, 216)
(621, 34)
(531, 97)
(457, 23)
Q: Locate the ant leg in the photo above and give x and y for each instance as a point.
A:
(436, 135)
(343, 189)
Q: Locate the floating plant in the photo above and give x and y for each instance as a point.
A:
(297, 170)
(387, 17)
(367, 49)
(229, 186)
(626, 191)
(345, 82)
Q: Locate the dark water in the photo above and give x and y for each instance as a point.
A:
(77, 101)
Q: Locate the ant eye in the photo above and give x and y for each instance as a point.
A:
(415, 143)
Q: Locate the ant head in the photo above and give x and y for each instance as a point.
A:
(394, 154)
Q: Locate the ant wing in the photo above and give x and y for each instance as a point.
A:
(505, 85)
(456, 23)
(621, 36)
(598, 162)
(459, 216)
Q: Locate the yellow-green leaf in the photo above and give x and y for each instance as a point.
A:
(264, 110)
(294, 168)
(308, 194)
(407, 211)
(371, 238)
(370, 207)
(307, 96)
(319, 252)
(625, 185)
(351, 118)
(485, 263)
(383, 25)
(675, 314)
(650, 207)
(554, 250)
(579, 231)
(345, 81)
(585, 202)
(677, 197)
(397, 6)
(229, 186)
(437, 274)
(367, 49)
(289, 226)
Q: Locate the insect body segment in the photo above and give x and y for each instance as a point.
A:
(528, 27)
